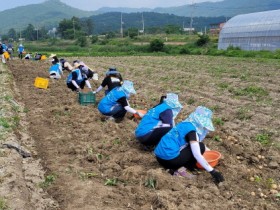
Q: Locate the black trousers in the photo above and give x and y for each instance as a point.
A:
(153, 138)
(185, 158)
(73, 88)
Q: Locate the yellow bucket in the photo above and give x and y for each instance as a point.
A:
(41, 83)
(6, 55)
(43, 57)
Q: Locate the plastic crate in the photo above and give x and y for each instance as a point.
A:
(86, 98)
(41, 83)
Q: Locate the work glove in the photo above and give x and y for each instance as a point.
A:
(217, 176)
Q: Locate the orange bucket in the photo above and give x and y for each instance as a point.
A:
(212, 157)
(136, 116)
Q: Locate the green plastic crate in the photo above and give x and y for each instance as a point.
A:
(86, 98)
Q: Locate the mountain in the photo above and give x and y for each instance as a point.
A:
(111, 21)
(51, 12)
(227, 8)
(48, 14)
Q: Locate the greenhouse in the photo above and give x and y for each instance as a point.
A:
(254, 31)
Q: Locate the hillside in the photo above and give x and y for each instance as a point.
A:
(47, 14)
(227, 8)
(111, 21)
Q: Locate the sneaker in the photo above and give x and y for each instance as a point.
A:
(110, 118)
(182, 172)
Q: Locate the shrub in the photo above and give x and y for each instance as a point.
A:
(94, 39)
(203, 40)
(156, 45)
(82, 41)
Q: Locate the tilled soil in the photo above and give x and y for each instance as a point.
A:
(98, 164)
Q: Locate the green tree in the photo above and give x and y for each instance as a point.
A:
(82, 41)
(156, 45)
(29, 33)
(94, 39)
(132, 32)
(110, 35)
(172, 29)
(69, 28)
(87, 26)
(12, 34)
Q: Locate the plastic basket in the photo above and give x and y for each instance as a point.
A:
(41, 83)
(86, 98)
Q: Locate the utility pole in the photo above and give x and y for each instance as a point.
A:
(74, 27)
(121, 26)
(36, 29)
(191, 21)
(143, 23)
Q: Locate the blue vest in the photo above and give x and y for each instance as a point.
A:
(169, 146)
(55, 68)
(150, 120)
(20, 49)
(79, 78)
(110, 100)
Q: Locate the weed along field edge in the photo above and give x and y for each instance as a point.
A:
(87, 163)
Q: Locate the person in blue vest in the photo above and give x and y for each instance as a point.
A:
(55, 71)
(158, 120)
(115, 104)
(182, 146)
(20, 51)
(77, 80)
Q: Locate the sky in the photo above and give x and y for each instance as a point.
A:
(92, 5)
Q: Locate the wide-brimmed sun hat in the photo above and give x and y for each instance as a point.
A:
(201, 118)
(128, 87)
(172, 100)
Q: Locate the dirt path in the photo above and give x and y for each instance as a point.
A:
(99, 165)
(20, 173)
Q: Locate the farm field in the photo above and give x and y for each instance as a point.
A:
(90, 163)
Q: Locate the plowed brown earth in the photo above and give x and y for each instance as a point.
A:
(83, 152)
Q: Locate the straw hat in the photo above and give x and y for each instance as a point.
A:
(52, 55)
(76, 65)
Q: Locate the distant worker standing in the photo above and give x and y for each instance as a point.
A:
(20, 51)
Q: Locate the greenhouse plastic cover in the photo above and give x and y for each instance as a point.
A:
(254, 31)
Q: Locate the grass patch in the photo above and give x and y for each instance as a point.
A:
(111, 182)
(50, 179)
(3, 204)
(243, 114)
(264, 138)
(151, 183)
(218, 121)
(251, 91)
(86, 175)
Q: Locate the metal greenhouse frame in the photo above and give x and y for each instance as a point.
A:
(254, 31)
